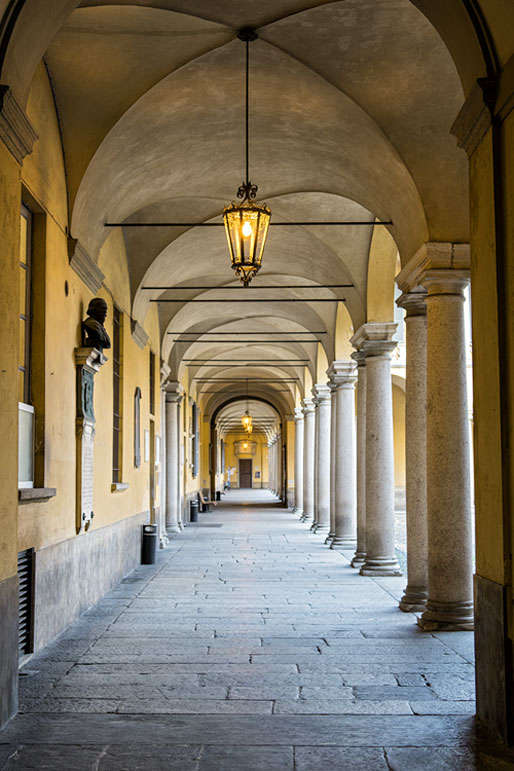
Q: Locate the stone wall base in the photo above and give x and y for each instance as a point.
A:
(494, 655)
(72, 575)
(9, 649)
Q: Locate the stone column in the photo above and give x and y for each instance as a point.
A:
(333, 433)
(174, 396)
(343, 375)
(360, 552)
(308, 461)
(298, 462)
(322, 400)
(375, 340)
(416, 591)
(450, 597)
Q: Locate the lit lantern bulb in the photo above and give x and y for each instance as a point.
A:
(247, 229)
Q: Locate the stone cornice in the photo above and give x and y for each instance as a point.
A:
(473, 121)
(434, 256)
(359, 357)
(138, 333)
(298, 414)
(341, 374)
(413, 303)
(84, 266)
(16, 131)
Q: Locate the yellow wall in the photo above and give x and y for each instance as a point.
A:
(381, 272)
(260, 459)
(399, 435)
(42, 524)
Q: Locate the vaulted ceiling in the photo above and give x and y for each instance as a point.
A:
(351, 108)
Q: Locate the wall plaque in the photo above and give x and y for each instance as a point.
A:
(88, 362)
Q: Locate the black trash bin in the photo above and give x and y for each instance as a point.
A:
(193, 510)
(149, 544)
(218, 495)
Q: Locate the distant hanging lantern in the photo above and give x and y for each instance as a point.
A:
(247, 422)
(246, 223)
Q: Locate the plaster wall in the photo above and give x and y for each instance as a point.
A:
(103, 554)
(259, 460)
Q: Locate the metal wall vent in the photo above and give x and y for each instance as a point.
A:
(26, 598)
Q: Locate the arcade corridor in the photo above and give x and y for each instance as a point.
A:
(249, 646)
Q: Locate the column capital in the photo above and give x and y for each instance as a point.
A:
(342, 373)
(435, 257)
(307, 406)
(174, 391)
(413, 302)
(360, 358)
(322, 393)
(298, 414)
(375, 338)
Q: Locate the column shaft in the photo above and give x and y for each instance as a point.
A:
(322, 464)
(308, 461)
(416, 591)
(343, 376)
(360, 552)
(298, 462)
(172, 462)
(450, 598)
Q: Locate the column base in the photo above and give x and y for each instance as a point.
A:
(313, 526)
(340, 542)
(329, 538)
(414, 600)
(381, 566)
(358, 560)
(305, 517)
(321, 529)
(172, 529)
(447, 617)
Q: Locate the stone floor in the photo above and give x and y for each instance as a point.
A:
(250, 646)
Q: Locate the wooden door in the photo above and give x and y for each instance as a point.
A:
(245, 473)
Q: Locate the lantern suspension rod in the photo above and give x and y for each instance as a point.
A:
(252, 286)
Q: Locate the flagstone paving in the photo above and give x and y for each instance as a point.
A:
(250, 647)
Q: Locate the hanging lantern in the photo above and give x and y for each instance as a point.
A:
(246, 226)
(246, 223)
(247, 422)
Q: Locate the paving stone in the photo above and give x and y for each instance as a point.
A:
(165, 706)
(387, 692)
(452, 687)
(38, 758)
(247, 758)
(449, 759)
(332, 758)
(342, 707)
(410, 678)
(438, 707)
(54, 705)
(309, 692)
(370, 678)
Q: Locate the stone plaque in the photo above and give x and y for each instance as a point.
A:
(88, 362)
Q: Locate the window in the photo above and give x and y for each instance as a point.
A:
(152, 383)
(195, 445)
(117, 329)
(137, 428)
(25, 304)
